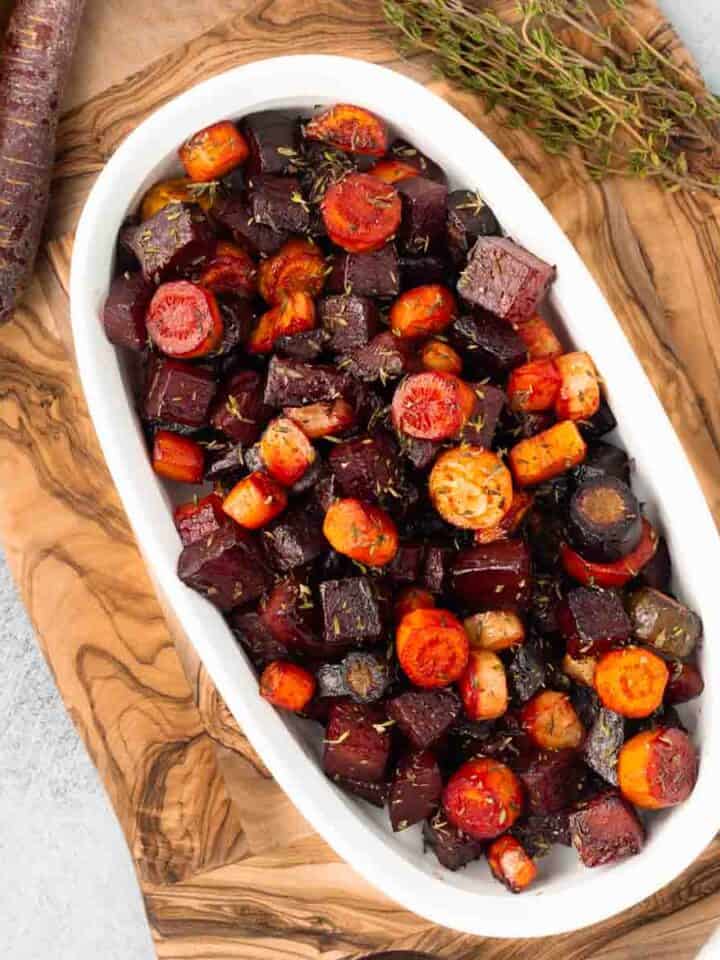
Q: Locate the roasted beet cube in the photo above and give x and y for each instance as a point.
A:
(539, 832)
(480, 428)
(526, 672)
(257, 641)
(194, 521)
(272, 136)
(453, 848)
(493, 575)
(468, 217)
(367, 468)
(374, 793)
(424, 716)
(227, 567)
(592, 621)
(357, 742)
(552, 780)
(385, 357)
(224, 463)
(305, 346)
(351, 613)
(420, 453)
(170, 242)
(415, 790)
(178, 392)
(278, 203)
(350, 320)
(603, 744)
(239, 410)
(605, 829)
(289, 612)
(489, 346)
(424, 212)
(603, 460)
(366, 274)
(294, 538)
(124, 311)
(291, 383)
(417, 271)
(505, 279)
(407, 564)
(437, 562)
(234, 215)
(363, 677)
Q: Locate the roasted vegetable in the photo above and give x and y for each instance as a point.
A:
(294, 315)
(539, 339)
(230, 270)
(440, 357)
(483, 686)
(471, 488)
(415, 790)
(351, 612)
(631, 681)
(227, 567)
(361, 213)
(287, 685)
(177, 458)
(657, 768)
(603, 460)
(184, 320)
(375, 274)
(233, 213)
(384, 358)
(685, 683)
(272, 139)
(579, 395)
(349, 128)
(424, 212)
(511, 864)
(534, 386)
(326, 419)
(422, 311)
(432, 647)
(453, 848)
(364, 677)
(178, 392)
(611, 574)
(603, 743)
(124, 311)
(255, 501)
(468, 217)
(286, 452)
(374, 793)
(278, 203)
(176, 238)
(604, 520)
(432, 406)
(495, 574)
(367, 468)
(552, 780)
(657, 572)
(357, 742)
(669, 627)
(483, 798)
(488, 345)
(361, 531)
(213, 152)
(424, 716)
(199, 518)
(297, 267)
(551, 721)
(295, 538)
(605, 829)
(526, 673)
(350, 320)
(495, 630)
(548, 454)
(239, 410)
(291, 383)
(256, 638)
(592, 621)
(512, 520)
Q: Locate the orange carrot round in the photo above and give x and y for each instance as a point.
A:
(361, 213)
(213, 152)
(631, 681)
(551, 722)
(298, 267)
(351, 128)
(255, 500)
(483, 686)
(286, 451)
(361, 531)
(657, 768)
(286, 685)
(177, 458)
(471, 487)
(432, 406)
(432, 647)
(440, 356)
(483, 798)
(511, 864)
(413, 598)
(295, 314)
(422, 310)
(534, 386)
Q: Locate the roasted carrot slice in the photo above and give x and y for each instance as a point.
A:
(631, 681)
(231, 270)
(350, 128)
(213, 152)
(286, 451)
(534, 386)
(483, 798)
(179, 190)
(432, 406)
(439, 356)
(177, 458)
(547, 454)
(471, 487)
(184, 320)
(361, 531)
(393, 171)
(325, 419)
(510, 523)
(511, 864)
(413, 598)
(538, 337)
(298, 267)
(551, 722)
(579, 395)
(286, 685)
(483, 686)
(422, 310)
(255, 500)
(495, 630)
(361, 213)
(611, 574)
(657, 768)
(294, 315)
(432, 647)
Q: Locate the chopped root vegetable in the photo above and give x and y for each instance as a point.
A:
(432, 647)
(422, 311)
(611, 574)
(361, 531)
(180, 190)
(547, 454)
(413, 598)
(483, 686)
(511, 864)
(604, 520)
(325, 419)
(198, 518)
(286, 685)
(551, 722)
(471, 487)
(255, 500)
(657, 768)
(393, 171)
(534, 386)
(510, 523)
(495, 630)
(294, 315)
(231, 270)
(441, 357)
(177, 458)
(286, 451)
(631, 681)
(298, 267)
(350, 128)
(580, 669)
(483, 798)
(432, 406)
(213, 152)
(541, 342)
(685, 683)
(184, 320)
(361, 213)
(579, 396)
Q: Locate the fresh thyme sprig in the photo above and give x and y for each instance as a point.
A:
(631, 112)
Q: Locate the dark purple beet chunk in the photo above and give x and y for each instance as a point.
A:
(407, 564)
(415, 790)
(278, 203)
(551, 780)
(205, 519)
(385, 357)
(238, 321)
(526, 672)
(256, 639)
(657, 573)
(290, 615)
(234, 215)
(424, 211)
(227, 567)
(124, 311)
(603, 744)
(294, 538)
(480, 428)
(424, 716)
(417, 271)
(599, 424)
(224, 463)
(437, 562)
(538, 832)
(350, 321)
(453, 848)
(402, 150)
(420, 453)
(366, 274)
(605, 829)
(374, 793)
(367, 468)
(505, 279)
(351, 614)
(489, 345)
(305, 346)
(364, 677)
(493, 575)
(174, 239)
(592, 621)
(468, 217)
(357, 742)
(292, 383)
(178, 392)
(272, 136)
(239, 411)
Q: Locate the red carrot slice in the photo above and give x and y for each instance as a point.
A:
(432, 406)
(286, 451)
(177, 458)
(213, 152)
(432, 647)
(611, 574)
(534, 386)
(483, 798)
(351, 128)
(361, 213)
(184, 320)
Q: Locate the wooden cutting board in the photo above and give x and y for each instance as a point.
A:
(227, 867)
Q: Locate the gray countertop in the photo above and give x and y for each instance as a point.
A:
(72, 893)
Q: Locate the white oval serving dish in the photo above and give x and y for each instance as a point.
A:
(567, 895)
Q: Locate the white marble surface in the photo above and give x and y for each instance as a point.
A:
(72, 894)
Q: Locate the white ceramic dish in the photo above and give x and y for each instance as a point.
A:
(567, 896)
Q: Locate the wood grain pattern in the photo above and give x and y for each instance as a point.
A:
(228, 867)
